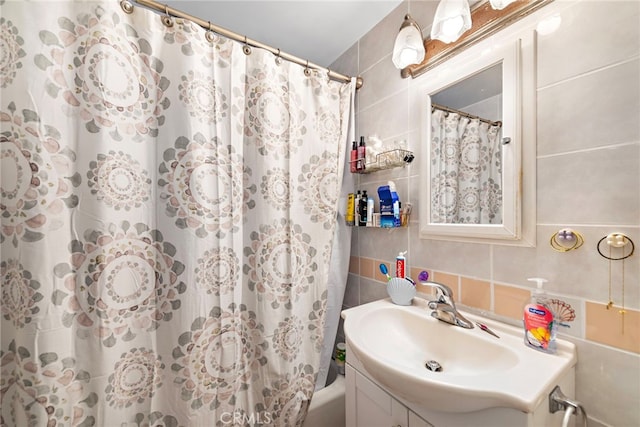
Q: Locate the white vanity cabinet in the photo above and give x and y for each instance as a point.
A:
(370, 406)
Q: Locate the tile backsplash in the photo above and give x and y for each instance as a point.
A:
(505, 301)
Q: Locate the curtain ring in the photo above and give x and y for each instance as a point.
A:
(307, 71)
(210, 35)
(278, 58)
(126, 6)
(246, 48)
(166, 19)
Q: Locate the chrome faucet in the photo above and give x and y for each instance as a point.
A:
(444, 309)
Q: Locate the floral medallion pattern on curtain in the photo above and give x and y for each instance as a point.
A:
(466, 172)
(167, 215)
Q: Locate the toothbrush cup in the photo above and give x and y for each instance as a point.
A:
(401, 291)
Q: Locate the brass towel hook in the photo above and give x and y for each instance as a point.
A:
(566, 240)
(617, 240)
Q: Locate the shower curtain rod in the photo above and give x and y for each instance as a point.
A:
(462, 113)
(128, 7)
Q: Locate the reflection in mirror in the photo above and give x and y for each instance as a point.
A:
(465, 154)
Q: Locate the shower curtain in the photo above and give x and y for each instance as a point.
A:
(168, 208)
(466, 171)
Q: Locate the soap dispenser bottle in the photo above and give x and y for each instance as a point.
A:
(538, 319)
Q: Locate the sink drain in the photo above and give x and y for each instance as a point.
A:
(433, 365)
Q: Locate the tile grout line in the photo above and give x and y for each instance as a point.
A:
(588, 73)
(588, 150)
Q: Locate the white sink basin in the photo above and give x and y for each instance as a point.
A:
(479, 371)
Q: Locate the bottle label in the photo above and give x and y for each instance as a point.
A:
(538, 321)
(400, 268)
(351, 209)
(361, 158)
(353, 166)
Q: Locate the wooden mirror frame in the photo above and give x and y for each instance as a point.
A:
(485, 21)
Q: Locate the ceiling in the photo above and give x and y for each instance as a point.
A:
(317, 30)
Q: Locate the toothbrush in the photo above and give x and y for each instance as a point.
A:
(383, 270)
(486, 329)
(423, 276)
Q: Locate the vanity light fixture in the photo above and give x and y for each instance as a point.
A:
(452, 19)
(409, 46)
(500, 4)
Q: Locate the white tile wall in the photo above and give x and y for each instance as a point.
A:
(607, 383)
(597, 109)
(590, 187)
(592, 35)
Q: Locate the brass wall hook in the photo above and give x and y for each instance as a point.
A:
(566, 240)
(616, 240)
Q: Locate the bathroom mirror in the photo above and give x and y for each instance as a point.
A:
(473, 140)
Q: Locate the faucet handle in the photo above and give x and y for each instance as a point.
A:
(442, 297)
(442, 290)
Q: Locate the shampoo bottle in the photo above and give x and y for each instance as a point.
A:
(361, 155)
(538, 320)
(351, 209)
(353, 157)
(370, 208)
(357, 208)
(396, 204)
(363, 209)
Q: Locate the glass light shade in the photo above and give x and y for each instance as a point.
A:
(453, 18)
(500, 4)
(549, 25)
(408, 48)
